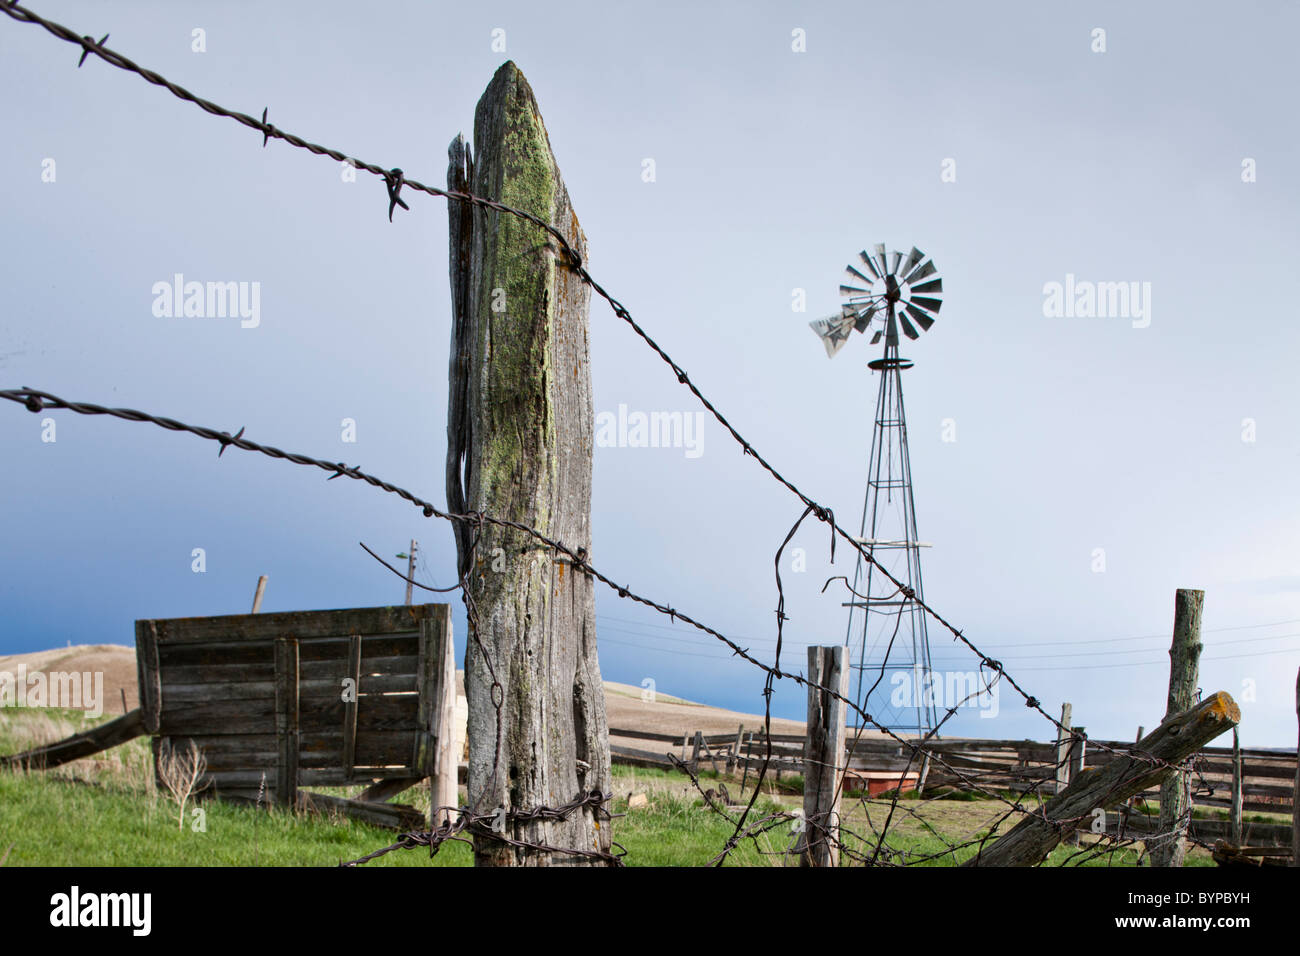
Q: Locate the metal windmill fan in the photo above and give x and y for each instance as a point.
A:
(893, 290)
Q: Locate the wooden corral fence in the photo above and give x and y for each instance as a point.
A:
(276, 702)
(875, 765)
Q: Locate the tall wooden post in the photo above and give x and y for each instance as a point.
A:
(446, 759)
(823, 757)
(520, 435)
(1234, 813)
(1170, 847)
(1295, 794)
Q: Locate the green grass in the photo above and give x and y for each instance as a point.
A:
(106, 811)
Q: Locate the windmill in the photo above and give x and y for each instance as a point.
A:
(885, 293)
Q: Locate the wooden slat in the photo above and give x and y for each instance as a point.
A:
(350, 704)
(644, 735)
(286, 720)
(385, 790)
(147, 675)
(124, 728)
(300, 624)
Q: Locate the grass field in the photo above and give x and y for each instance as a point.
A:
(106, 811)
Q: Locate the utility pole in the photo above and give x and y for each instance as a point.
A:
(410, 568)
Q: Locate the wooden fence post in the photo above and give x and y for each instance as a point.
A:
(1063, 749)
(446, 761)
(695, 751)
(735, 750)
(823, 757)
(1108, 785)
(1295, 794)
(257, 595)
(519, 444)
(1170, 847)
(1234, 814)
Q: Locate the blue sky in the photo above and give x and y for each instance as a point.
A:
(772, 168)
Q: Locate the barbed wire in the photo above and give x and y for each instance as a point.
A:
(395, 179)
(471, 819)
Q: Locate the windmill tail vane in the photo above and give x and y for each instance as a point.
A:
(886, 291)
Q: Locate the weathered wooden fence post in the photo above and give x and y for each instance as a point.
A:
(1063, 738)
(446, 759)
(1234, 813)
(1170, 847)
(520, 436)
(823, 757)
(1109, 785)
(1295, 794)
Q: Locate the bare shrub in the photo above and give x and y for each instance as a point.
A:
(179, 771)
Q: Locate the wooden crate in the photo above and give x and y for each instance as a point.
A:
(324, 698)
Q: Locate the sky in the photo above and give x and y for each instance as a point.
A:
(1071, 470)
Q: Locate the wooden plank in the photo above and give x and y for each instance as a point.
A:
(1030, 840)
(147, 675)
(253, 690)
(632, 757)
(399, 619)
(350, 697)
(286, 720)
(220, 673)
(391, 816)
(644, 735)
(384, 790)
(118, 731)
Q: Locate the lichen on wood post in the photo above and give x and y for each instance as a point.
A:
(520, 436)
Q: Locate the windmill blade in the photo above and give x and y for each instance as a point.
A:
(930, 305)
(877, 337)
(908, 330)
(883, 261)
(833, 331)
(898, 257)
(923, 320)
(869, 263)
(934, 285)
(856, 274)
(853, 290)
(913, 257)
(863, 320)
(927, 269)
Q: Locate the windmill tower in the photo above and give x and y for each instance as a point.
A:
(887, 628)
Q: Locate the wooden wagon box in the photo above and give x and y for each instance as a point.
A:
(279, 701)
